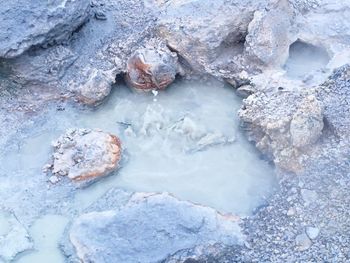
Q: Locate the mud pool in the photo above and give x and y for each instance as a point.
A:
(185, 140)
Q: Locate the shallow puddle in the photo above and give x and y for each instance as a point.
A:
(4, 224)
(46, 233)
(185, 140)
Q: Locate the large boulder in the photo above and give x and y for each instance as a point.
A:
(153, 67)
(85, 155)
(202, 30)
(283, 124)
(270, 34)
(150, 228)
(27, 23)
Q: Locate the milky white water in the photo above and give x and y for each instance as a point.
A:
(162, 137)
(4, 224)
(186, 141)
(46, 233)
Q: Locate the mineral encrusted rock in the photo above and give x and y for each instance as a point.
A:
(14, 237)
(150, 228)
(83, 154)
(153, 67)
(25, 23)
(283, 125)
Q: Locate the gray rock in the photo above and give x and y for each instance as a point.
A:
(303, 242)
(309, 196)
(245, 91)
(200, 35)
(39, 68)
(270, 33)
(149, 228)
(14, 238)
(334, 95)
(95, 88)
(27, 23)
(307, 122)
(312, 232)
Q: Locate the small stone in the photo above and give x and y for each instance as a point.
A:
(47, 168)
(309, 196)
(291, 211)
(312, 232)
(53, 179)
(99, 15)
(303, 242)
(245, 91)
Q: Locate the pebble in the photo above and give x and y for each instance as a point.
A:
(291, 211)
(303, 242)
(312, 232)
(53, 179)
(99, 15)
(309, 196)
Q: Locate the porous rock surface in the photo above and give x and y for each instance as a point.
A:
(27, 23)
(335, 96)
(283, 125)
(150, 228)
(286, 125)
(153, 67)
(83, 154)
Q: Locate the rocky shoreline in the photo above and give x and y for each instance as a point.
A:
(76, 52)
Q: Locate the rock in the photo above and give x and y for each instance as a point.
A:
(312, 232)
(213, 139)
(40, 68)
(153, 67)
(85, 155)
(97, 87)
(307, 122)
(270, 33)
(201, 31)
(14, 238)
(150, 228)
(54, 179)
(245, 91)
(100, 15)
(291, 211)
(266, 117)
(303, 242)
(309, 196)
(25, 23)
(334, 95)
(284, 124)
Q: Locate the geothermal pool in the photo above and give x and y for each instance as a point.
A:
(185, 140)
